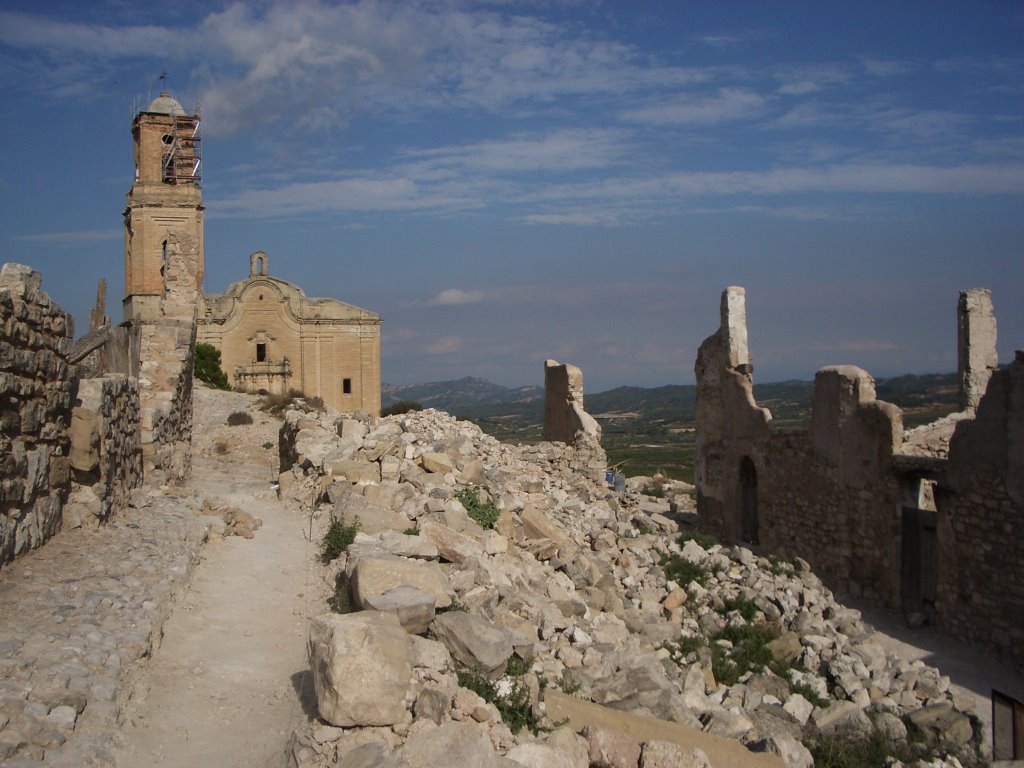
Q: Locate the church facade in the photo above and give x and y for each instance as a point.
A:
(273, 338)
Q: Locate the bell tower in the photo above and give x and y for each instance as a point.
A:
(165, 201)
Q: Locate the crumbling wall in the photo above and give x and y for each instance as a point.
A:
(106, 451)
(976, 345)
(35, 409)
(166, 355)
(566, 422)
(844, 493)
(730, 424)
(981, 507)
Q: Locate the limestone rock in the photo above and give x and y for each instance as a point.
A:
(459, 745)
(360, 665)
(413, 607)
(474, 641)
(371, 576)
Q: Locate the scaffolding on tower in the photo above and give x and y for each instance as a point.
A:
(183, 156)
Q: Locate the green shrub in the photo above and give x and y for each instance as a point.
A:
(276, 404)
(412, 531)
(268, 445)
(238, 418)
(742, 605)
(749, 653)
(809, 693)
(340, 601)
(779, 567)
(517, 667)
(486, 515)
(514, 707)
(682, 571)
(455, 606)
(702, 539)
(872, 751)
(655, 489)
(207, 366)
(402, 406)
(337, 539)
(682, 649)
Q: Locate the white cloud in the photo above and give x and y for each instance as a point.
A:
(452, 297)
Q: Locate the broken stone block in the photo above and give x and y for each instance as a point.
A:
(373, 575)
(474, 641)
(360, 666)
(454, 744)
(413, 607)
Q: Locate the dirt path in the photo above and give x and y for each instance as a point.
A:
(226, 686)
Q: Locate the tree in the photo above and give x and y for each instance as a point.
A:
(207, 366)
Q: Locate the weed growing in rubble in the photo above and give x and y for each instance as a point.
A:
(485, 514)
(337, 539)
(742, 605)
(701, 539)
(873, 751)
(514, 706)
(682, 571)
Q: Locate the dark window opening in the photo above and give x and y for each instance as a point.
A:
(261, 353)
(346, 386)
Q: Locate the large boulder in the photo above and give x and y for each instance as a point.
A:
(360, 665)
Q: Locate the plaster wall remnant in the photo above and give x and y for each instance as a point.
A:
(976, 345)
(941, 538)
(273, 338)
(35, 411)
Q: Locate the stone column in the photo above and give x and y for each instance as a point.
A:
(976, 345)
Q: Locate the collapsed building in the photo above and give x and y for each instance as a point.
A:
(930, 521)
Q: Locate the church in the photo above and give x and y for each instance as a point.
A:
(272, 337)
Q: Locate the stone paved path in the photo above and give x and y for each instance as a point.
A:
(224, 687)
(74, 615)
(121, 647)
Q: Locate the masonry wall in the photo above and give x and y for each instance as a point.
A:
(35, 410)
(835, 494)
(106, 450)
(981, 521)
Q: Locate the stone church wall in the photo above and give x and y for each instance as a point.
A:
(35, 387)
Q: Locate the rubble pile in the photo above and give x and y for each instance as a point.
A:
(485, 581)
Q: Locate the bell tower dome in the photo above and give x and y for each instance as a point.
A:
(165, 200)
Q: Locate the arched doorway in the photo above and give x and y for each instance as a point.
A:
(748, 501)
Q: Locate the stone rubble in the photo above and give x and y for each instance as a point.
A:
(570, 584)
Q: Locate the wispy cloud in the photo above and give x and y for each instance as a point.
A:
(453, 297)
(71, 238)
(445, 345)
(708, 109)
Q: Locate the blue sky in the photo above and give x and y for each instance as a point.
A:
(505, 182)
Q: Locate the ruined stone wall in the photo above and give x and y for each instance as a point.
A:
(843, 494)
(981, 521)
(166, 355)
(106, 450)
(35, 409)
(585, 458)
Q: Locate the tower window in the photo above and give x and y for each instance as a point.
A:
(261, 353)
(346, 386)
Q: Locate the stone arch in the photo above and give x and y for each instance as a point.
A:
(749, 522)
(258, 264)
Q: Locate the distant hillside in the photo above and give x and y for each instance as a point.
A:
(456, 396)
(651, 430)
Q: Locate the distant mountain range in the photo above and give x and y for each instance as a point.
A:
(789, 401)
